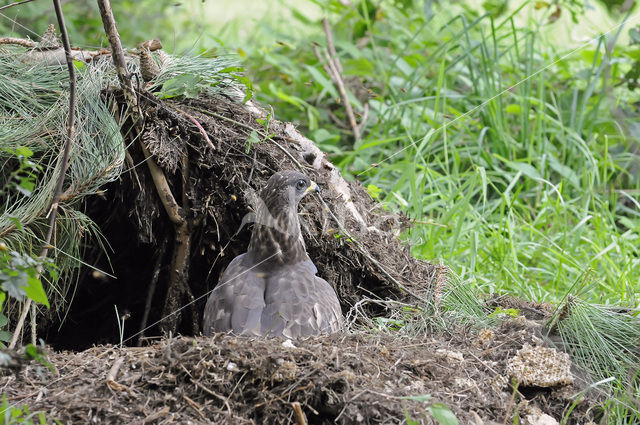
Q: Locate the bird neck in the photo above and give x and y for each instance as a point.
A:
(277, 240)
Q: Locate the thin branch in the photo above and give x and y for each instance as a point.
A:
(53, 210)
(15, 4)
(174, 211)
(337, 79)
(151, 291)
(18, 41)
(180, 259)
(331, 68)
(301, 418)
(203, 132)
(18, 328)
(331, 45)
(109, 23)
(117, 53)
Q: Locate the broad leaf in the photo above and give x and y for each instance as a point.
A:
(35, 291)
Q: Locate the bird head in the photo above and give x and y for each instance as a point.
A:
(285, 189)
(277, 228)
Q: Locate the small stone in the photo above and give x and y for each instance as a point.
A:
(288, 344)
(542, 419)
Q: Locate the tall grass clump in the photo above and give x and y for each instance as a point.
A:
(517, 158)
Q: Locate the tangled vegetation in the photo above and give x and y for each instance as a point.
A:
(511, 147)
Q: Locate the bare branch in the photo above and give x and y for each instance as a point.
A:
(15, 4)
(18, 41)
(337, 80)
(174, 211)
(330, 45)
(117, 53)
(333, 68)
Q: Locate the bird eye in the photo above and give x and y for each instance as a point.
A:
(301, 184)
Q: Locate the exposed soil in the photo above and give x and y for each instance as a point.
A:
(359, 378)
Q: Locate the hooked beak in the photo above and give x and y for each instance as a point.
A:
(313, 187)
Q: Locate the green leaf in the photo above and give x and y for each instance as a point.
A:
(322, 81)
(35, 353)
(35, 291)
(79, 65)
(5, 336)
(407, 416)
(248, 85)
(323, 136)
(26, 187)
(13, 282)
(16, 222)
(634, 35)
(187, 85)
(526, 169)
(253, 139)
(566, 172)
(499, 311)
(230, 69)
(24, 151)
(3, 320)
(374, 191)
(443, 414)
(53, 273)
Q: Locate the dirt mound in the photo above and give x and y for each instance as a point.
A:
(345, 378)
(351, 240)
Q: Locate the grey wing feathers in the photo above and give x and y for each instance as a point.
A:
(291, 301)
(237, 301)
(299, 303)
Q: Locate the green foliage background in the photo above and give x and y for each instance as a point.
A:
(507, 131)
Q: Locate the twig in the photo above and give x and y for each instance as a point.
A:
(179, 271)
(301, 418)
(174, 211)
(55, 56)
(333, 67)
(195, 406)
(200, 128)
(331, 45)
(117, 53)
(115, 368)
(18, 328)
(17, 41)
(430, 223)
(53, 210)
(233, 390)
(511, 403)
(18, 3)
(162, 186)
(207, 390)
(155, 416)
(113, 374)
(151, 291)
